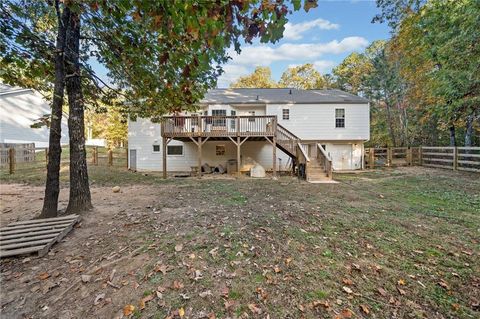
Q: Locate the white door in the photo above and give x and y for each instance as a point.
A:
(341, 156)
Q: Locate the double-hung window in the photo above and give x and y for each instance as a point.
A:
(221, 121)
(339, 118)
(285, 114)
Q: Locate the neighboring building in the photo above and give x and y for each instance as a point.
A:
(19, 109)
(294, 121)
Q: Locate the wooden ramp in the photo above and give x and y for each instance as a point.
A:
(34, 236)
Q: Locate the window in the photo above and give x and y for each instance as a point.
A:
(286, 114)
(156, 148)
(339, 118)
(233, 121)
(251, 119)
(220, 150)
(219, 121)
(175, 150)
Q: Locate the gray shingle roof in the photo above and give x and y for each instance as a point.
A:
(280, 96)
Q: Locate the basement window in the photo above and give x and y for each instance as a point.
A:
(220, 150)
(339, 118)
(156, 148)
(285, 114)
(175, 150)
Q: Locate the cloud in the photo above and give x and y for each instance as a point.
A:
(231, 73)
(322, 66)
(295, 31)
(265, 55)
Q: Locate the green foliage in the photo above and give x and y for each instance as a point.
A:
(302, 77)
(260, 78)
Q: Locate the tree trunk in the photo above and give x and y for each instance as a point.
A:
(469, 130)
(80, 199)
(391, 130)
(452, 136)
(52, 186)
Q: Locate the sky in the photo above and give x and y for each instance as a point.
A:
(324, 37)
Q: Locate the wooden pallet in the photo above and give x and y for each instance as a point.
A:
(34, 236)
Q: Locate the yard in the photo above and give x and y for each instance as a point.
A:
(400, 243)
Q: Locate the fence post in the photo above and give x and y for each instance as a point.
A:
(420, 155)
(409, 156)
(126, 151)
(94, 151)
(389, 156)
(455, 158)
(11, 158)
(371, 160)
(110, 157)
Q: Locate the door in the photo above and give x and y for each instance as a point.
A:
(341, 156)
(233, 121)
(133, 160)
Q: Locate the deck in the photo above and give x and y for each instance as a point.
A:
(214, 127)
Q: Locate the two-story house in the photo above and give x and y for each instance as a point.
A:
(276, 128)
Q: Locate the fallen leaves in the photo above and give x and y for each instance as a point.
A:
(178, 248)
(181, 312)
(347, 290)
(128, 310)
(382, 292)
(365, 309)
(401, 282)
(43, 275)
(254, 309)
(144, 300)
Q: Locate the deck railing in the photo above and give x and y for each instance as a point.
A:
(218, 126)
(326, 161)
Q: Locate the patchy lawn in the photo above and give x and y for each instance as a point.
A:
(398, 243)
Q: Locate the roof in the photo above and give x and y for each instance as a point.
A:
(7, 89)
(280, 96)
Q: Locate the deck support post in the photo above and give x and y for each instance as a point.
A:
(199, 143)
(164, 154)
(274, 142)
(238, 157)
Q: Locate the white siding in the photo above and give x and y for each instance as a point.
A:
(18, 111)
(143, 134)
(317, 121)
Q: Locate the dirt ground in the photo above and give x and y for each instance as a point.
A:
(398, 243)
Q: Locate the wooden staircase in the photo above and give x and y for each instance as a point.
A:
(316, 169)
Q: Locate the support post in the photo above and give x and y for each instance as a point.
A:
(409, 156)
(126, 151)
(389, 156)
(11, 158)
(420, 155)
(164, 154)
(455, 158)
(199, 157)
(371, 160)
(94, 151)
(110, 157)
(238, 157)
(274, 142)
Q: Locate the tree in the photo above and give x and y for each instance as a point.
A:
(303, 77)
(350, 72)
(260, 78)
(159, 54)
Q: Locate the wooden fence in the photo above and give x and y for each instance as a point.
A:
(455, 158)
(31, 158)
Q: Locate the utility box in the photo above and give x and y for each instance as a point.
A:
(231, 166)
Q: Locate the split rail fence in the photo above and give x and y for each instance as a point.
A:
(447, 157)
(25, 158)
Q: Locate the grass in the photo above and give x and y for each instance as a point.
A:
(391, 237)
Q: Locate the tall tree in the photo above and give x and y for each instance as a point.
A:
(159, 53)
(260, 78)
(302, 77)
(351, 71)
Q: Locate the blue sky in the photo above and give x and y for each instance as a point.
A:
(324, 36)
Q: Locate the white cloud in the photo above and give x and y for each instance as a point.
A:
(295, 31)
(231, 73)
(265, 55)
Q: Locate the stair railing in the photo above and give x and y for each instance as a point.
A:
(325, 160)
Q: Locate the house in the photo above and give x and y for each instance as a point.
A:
(19, 109)
(280, 128)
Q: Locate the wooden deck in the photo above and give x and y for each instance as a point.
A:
(34, 236)
(218, 126)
